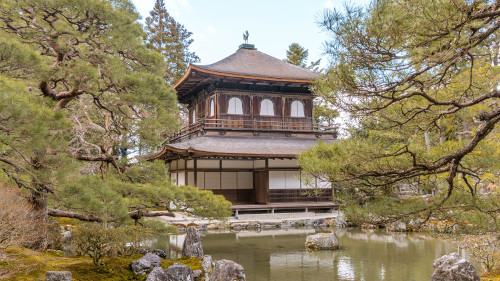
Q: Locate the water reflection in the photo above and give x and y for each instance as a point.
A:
(280, 255)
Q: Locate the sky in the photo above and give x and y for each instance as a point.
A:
(218, 25)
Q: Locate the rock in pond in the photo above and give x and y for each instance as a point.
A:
(157, 274)
(453, 268)
(397, 226)
(226, 270)
(322, 241)
(145, 264)
(179, 272)
(192, 246)
(58, 276)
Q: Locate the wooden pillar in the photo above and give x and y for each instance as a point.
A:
(195, 166)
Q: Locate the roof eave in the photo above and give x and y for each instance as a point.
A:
(210, 153)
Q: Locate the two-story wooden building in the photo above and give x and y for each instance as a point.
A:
(250, 114)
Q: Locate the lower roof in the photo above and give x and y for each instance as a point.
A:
(238, 146)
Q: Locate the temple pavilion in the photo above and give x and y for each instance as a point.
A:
(250, 115)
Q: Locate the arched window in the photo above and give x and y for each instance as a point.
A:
(297, 109)
(235, 106)
(266, 107)
(212, 107)
(193, 116)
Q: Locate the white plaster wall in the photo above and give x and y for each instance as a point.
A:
(237, 164)
(259, 164)
(277, 180)
(190, 164)
(245, 180)
(292, 179)
(207, 164)
(181, 178)
(200, 180)
(173, 165)
(212, 180)
(181, 164)
(228, 180)
(283, 163)
(190, 178)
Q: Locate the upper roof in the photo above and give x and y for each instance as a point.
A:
(248, 64)
(251, 62)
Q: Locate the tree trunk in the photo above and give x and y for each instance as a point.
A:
(441, 132)
(427, 140)
(38, 201)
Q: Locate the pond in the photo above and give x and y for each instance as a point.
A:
(280, 254)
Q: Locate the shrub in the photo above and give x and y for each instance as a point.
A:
(98, 242)
(485, 249)
(17, 222)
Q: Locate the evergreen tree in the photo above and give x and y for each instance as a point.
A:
(77, 85)
(298, 55)
(408, 74)
(172, 40)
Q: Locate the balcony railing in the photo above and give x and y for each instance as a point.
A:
(289, 125)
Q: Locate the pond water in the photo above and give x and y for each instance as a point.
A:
(280, 254)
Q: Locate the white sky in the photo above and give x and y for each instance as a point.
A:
(218, 25)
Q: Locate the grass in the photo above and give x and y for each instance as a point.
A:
(30, 265)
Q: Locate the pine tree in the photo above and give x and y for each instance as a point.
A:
(421, 82)
(172, 40)
(77, 85)
(297, 55)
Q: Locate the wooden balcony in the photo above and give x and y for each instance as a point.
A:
(242, 123)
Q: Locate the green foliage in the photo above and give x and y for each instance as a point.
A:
(93, 195)
(144, 187)
(324, 112)
(422, 97)
(298, 55)
(98, 241)
(461, 213)
(79, 91)
(172, 40)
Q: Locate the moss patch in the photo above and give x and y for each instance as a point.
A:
(31, 266)
(491, 276)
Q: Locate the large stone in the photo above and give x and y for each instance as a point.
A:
(198, 275)
(179, 272)
(58, 276)
(226, 270)
(144, 250)
(192, 246)
(322, 241)
(397, 226)
(157, 274)
(145, 264)
(207, 265)
(453, 268)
